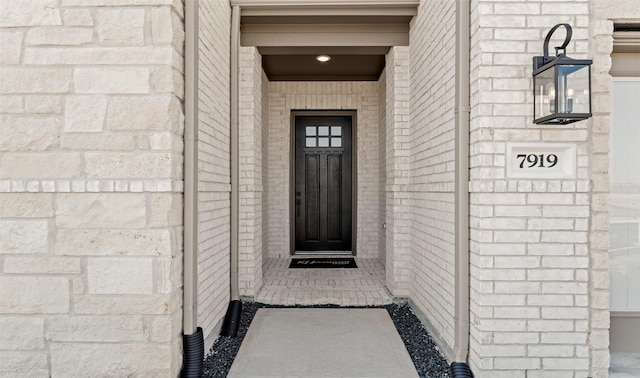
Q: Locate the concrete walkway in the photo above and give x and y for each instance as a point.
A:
(322, 342)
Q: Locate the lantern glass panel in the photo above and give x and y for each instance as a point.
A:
(544, 93)
(573, 89)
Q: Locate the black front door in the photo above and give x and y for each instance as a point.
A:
(322, 183)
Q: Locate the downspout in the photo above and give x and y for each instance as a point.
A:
(460, 367)
(232, 318)
(193, 339)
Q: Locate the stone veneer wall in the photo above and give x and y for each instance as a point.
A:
(287, 96)
(530, 247)
(214, 165)
(431, 167)
(91, 188)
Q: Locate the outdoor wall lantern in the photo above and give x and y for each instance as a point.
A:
(561, 85)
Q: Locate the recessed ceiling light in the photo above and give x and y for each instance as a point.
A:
(323, 58)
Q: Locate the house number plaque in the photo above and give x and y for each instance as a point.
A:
(541, 160)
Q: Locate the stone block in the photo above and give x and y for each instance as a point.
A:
(34, 295)
(23, 133)
(105, 210)
(161, 141)
(26, 205)
(144, 113)
(99, 360)
(11, 104)
(28, 13)
(24, 364)
(111, 80)
(11, 42)
(120, 275)
(162, 28)
(52, 165)
(21, 333)
(120, 26)
(43, 104)
(164, 328)
(104, 55)
(615, 9)
(84, 113)
(129, 165)
(168, 274)
(113, 242)
(122, 305)
(165, 209)
(77, 17)
(59, 36)
(43, 265)
(101, 329)
(98, 142)
(35, 80)
(24, 236)
(114, 3)
(167, 80)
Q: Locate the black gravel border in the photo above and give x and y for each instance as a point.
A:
(426, 356)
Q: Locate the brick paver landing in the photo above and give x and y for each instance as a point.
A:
(363, 286)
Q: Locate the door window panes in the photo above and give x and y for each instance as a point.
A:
(624, 205)
(323, 136)
(310, 131)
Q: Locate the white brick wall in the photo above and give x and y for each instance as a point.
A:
(265, 166)
(396, 175)
(529, 238)
(252, 166)
(287, 96)
(382, 165)
(430, 141)
(90, 188)
(214, 165)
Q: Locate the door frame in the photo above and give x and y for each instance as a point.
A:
(292, 172)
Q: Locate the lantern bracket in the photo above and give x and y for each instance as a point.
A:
(539, 61)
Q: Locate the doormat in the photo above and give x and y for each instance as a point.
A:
(324, 262)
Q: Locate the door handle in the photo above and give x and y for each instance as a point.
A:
(298, 202)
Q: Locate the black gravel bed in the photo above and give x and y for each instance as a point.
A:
(426, 356)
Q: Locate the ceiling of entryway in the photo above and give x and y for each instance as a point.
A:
(306, 67)
(357, 34)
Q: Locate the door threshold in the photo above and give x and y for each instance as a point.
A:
(322, 253)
